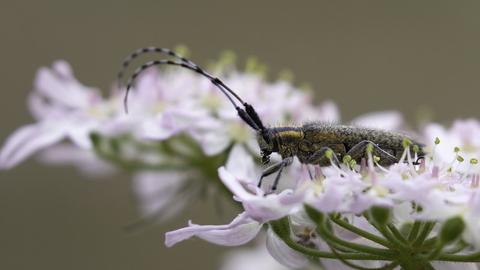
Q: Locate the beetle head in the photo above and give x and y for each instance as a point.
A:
(268, 144)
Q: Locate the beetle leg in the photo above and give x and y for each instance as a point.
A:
(274, 168)
(320, 154)
(358, 152)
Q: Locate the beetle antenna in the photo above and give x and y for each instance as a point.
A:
(146, 50)
(245, 115)
(250, 116)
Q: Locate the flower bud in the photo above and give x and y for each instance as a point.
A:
(406, 228)
(95, 137)
(380, 215)
(451, 230)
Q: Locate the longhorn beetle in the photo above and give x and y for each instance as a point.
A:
(308, 142)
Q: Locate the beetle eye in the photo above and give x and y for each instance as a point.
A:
(266, 138)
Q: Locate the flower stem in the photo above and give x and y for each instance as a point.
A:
(386, 267)
(429, 243)
(367, 235)
(328, 255)
(397, 243)
(398, 235)
(414, 231)
(427, 228)
(281, 228)
(330, 238)
(475, 257)
(457, 248)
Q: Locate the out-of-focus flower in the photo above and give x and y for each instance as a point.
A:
(463, 134)
(259, 209)
(177, 122)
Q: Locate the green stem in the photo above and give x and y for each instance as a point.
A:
(434, 254)
(386, 267)
(457, 248)
(367, 235)
(387, 234)
(330, 238)
(427, 266)
(328, 255)
(429, 243)
(414, 232)
(398, 235)
(475, 257)
(424, 233)
(342, 248)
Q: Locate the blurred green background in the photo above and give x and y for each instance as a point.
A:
(365, 55)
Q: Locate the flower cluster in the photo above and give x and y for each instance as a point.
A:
(180, 129)
(408, 215)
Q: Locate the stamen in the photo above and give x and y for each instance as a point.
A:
(437, 141)
(410, 162)
(449, 167)
(404, 155)
(352, 165)
(346, 160)
(376, 159)
(329, 154)
(370, 164)
(415, 150)
(460, 160)
(473, 161)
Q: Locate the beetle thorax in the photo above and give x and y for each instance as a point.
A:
(281, 139)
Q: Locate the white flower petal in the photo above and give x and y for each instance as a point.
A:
(329, 112)
(283, 253)
(79, 134)
(235, 234)
(233, 185)
(27, 140)
(59, 85)
(86, 161)
(259, 207)
(213, 143)
(156, 191)
(240, 164)
(387, 120)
